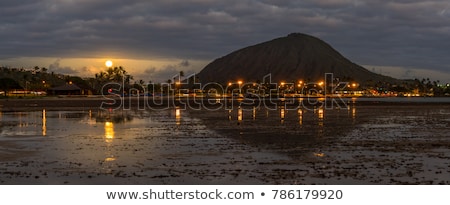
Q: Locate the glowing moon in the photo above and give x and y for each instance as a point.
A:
(108, 63)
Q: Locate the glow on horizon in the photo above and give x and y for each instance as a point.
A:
(88, 67)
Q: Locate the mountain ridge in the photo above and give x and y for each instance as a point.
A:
(296, 56)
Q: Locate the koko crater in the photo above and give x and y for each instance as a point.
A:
(296, 56)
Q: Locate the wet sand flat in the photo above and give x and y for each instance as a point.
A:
(368, 143)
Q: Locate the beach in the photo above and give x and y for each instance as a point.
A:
(373, 141)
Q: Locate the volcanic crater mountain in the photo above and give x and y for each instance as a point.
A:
(294, 57)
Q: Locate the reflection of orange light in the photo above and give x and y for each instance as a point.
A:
(300, 117)
(177, 113)
(240, 82)
(44, 123)
(110, 159)
(109, 131)
(319, 154)
(91, 121)
(320, 113)
(178, 116)
(282, 113)
(240, 114)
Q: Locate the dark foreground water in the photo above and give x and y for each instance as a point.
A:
(358, 144)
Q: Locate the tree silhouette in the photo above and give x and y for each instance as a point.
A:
(7, 84)
(112, 75)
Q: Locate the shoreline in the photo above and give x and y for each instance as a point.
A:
(75, 103)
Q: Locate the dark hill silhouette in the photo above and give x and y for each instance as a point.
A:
(291, 58)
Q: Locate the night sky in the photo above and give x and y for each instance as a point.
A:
(153, 39)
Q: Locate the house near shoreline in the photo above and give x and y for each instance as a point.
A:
(69, 89)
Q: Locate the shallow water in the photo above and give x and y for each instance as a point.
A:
(358, 144)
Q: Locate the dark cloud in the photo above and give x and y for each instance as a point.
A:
(409, 33)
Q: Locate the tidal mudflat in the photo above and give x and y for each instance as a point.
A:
(369, 143)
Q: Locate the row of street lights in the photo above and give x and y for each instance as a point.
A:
(300, 84)
(292, 86)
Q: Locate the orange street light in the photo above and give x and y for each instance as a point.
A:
(240, 89)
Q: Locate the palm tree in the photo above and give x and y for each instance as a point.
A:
(128, 78)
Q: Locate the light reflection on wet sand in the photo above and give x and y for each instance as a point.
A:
(44, 123)
(364, 145)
